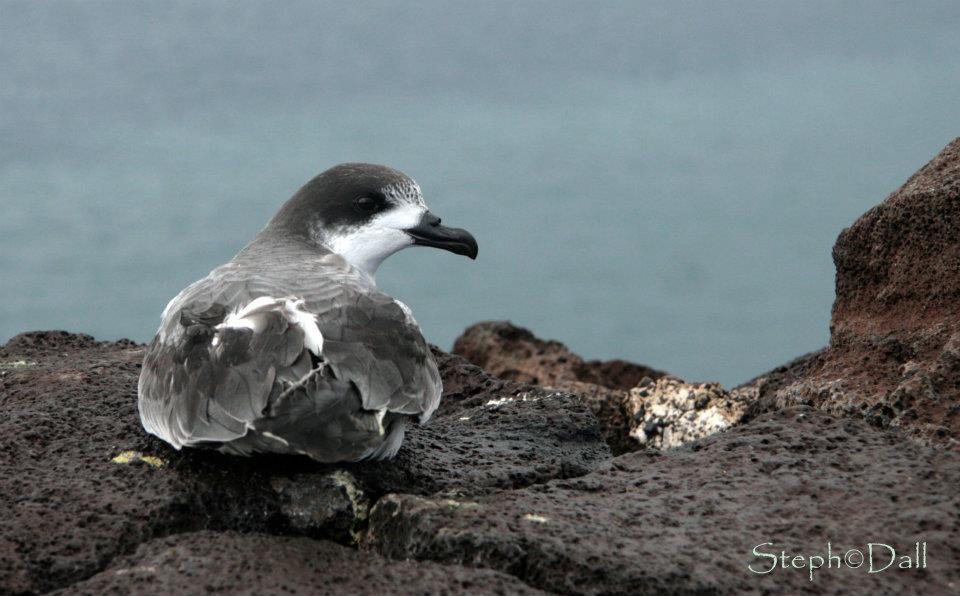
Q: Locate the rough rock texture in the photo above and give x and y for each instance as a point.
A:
(232, 563)
(513, 475)
(502, 442)
(327, 504)
(635, 405)
(81, 483)
(685, 521)
(669, 412)
(69, 410)
(894, 352)
(510, 352)
(491, 434)
(514, 353)
(610, 408)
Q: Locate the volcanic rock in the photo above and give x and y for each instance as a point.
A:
(232, 563)
(610, 408)
(686, 521)
(81, 482)
(513, 440)
(894, 352)
(636, 406)
(514, 353)
(323, 504)
(510, 352)
(491, 434)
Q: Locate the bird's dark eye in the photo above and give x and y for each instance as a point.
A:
(365, 205)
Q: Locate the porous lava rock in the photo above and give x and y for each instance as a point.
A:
(513, 474)
(894, 352)
(610, 406)
(233, 563)
(511, 440)
(491, 434)
(81, 483)
(636, 406)
(510, 352)
(687, 521)
(515, 354)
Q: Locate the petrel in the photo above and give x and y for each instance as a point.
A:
(290, 347)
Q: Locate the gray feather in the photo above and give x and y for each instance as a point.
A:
(261, 390)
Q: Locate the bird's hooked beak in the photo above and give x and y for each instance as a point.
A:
(429, 232)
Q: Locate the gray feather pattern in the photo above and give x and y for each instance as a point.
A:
(259, 390)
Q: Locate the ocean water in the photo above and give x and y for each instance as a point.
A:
(656, 181)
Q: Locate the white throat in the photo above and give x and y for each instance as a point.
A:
(367, 250)
(366, 247)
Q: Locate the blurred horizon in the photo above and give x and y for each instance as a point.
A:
(660, 182)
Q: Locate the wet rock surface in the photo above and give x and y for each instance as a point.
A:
(685, 521)
(233, 563)
(894, 353)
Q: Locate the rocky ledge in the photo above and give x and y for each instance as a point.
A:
(894, 353)
(541, 472)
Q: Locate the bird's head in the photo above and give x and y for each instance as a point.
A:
(365, 213)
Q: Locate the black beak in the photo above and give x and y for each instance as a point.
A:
(429, 232)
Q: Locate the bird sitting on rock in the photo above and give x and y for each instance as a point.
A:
(290, 347)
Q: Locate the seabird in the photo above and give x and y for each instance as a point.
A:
(290, 347)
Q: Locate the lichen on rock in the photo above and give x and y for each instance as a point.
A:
(669, 412)
(635, 405)
(135, 457)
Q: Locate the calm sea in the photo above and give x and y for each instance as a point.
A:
(657, 181)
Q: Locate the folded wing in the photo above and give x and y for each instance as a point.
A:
(267, 366)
